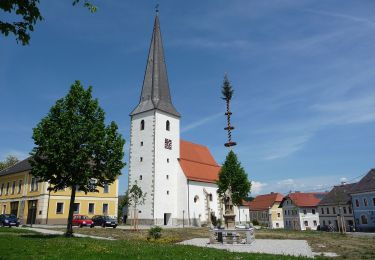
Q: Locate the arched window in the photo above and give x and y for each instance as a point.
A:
(143, 125)
(364, 219)
(196, 198)
(167, 125)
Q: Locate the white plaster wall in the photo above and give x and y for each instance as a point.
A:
(164, 202)
(242, 214)
(197, 210)
(182, 195)
(289, 206)
(309, 217)
(146, 167)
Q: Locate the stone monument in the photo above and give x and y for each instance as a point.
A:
(229, 216)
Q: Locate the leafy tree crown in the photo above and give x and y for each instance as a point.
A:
(227, 89)
(74, 147)
(233, 177)
(26, 14)
(9, 161)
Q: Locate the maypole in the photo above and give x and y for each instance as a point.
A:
(227, 92)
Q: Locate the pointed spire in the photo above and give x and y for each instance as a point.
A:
(155, 90)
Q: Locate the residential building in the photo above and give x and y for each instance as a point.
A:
(178, 177)
(24, 195)
(335, 209)
(363, 202)
(242, 213)
(265, 209)
(300, 210)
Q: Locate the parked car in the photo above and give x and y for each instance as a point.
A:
(9, 220)
(104, 221)
(82, 220)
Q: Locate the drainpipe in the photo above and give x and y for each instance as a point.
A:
(49, 196)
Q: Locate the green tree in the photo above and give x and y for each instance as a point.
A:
(233, 177)
(26, 14)
(136, 197)
(9, 161)
(123, 202)
(74, 148)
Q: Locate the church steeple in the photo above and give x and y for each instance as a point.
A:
(155, 90)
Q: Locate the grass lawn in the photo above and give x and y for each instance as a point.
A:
(346, 246)
(29, 245)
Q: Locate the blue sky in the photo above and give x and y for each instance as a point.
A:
(303, 74)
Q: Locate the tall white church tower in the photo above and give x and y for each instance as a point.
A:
(155, 141)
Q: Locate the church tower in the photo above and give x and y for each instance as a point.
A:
(155, 141)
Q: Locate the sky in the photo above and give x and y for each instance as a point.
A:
(303, 73)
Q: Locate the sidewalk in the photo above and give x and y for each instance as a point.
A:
(125, 227)
(47, 231)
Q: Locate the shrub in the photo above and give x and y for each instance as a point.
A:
(255, 222)
(155, 232)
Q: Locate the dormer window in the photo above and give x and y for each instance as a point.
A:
(167, 125)
(142, 125)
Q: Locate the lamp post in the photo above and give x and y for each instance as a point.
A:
(183, 219)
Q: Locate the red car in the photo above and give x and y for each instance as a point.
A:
(82, 220)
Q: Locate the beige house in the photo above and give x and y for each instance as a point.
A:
(265, 209)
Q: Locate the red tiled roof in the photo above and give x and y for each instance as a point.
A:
(308, 199)
(263, 202)
(197, 163)
(245, 203)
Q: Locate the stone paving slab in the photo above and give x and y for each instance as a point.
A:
(267, 246)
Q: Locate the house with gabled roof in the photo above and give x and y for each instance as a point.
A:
(265, 210)
(23, 195)
(300, 210)
(335, 209)
(363, 202)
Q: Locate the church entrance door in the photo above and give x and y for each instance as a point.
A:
(167, 219)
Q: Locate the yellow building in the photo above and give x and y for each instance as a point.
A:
(265, 210)
(23, 195)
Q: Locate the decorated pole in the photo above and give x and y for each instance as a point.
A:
(227, 92)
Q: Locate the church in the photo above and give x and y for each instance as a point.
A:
(178, 177)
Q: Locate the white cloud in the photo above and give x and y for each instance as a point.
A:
(286, 147)
(286, 182)
(257, 187)
(201, 122)
(318, 183)
(343, 179)
(342, 16)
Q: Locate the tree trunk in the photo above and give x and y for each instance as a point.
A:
(69, 227)
(135, 217)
